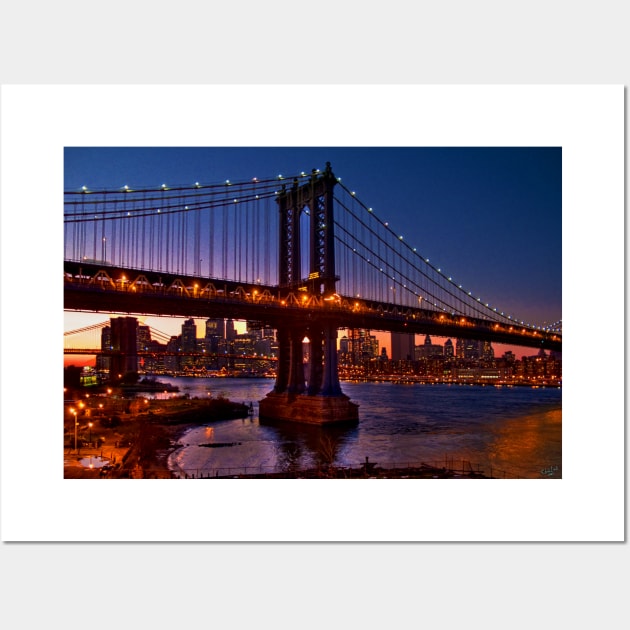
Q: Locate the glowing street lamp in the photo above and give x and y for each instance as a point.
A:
(74, 411)
(90, 438)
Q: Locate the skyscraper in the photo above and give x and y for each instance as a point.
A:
(448, 349)
(215, 331)
(189, 343)
(189, 336)
(403, 346)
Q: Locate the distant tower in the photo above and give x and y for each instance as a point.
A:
(459, 348)
(488, 352)
(360, 345)
(103, 361)
(215, 331)
(144, 338)
(189, 342)
(189, 336)
(403, 346)
(448, 349)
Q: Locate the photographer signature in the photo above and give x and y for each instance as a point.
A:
(549, 471)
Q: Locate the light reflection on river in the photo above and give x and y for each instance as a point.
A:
(516, 432)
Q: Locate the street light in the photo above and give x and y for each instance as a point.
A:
(73, 411)
(90, 438)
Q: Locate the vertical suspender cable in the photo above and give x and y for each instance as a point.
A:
(247, 237)
(224, 230)
(211, 235)
(255, 239)
(168, 242)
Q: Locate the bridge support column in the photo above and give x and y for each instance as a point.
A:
(315, 361)
(296, 362)
(284, 355)
(322, 402)
(331, 385)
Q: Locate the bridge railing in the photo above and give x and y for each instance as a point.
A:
(449, 468)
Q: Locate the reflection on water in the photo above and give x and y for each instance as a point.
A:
(93, 462)
(513, 432)
(533, 438)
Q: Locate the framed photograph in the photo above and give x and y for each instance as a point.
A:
(347, 321)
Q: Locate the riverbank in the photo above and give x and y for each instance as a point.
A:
(125, 464)
(137, 445)
(122, 461)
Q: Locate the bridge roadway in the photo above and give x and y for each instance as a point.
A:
(107, 289)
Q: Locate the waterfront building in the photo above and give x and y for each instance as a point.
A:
(244, 344)
(428, 350)
(540, 369)
(468, 349)
(479, 375)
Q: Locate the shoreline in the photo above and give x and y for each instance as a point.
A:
(160, 470)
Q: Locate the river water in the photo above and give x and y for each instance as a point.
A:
(512, 432)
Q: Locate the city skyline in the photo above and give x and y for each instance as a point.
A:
(219, 349)
(172, 327)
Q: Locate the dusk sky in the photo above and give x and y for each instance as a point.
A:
(489, 217)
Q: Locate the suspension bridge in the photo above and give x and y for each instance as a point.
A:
(235, 250)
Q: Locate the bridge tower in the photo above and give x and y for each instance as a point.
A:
(320, 400)
(124, 334)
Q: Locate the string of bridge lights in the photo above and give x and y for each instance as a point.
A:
(85, 190)
(414, 251)
(120, 194)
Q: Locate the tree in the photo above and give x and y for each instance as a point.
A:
(130, 378)
(72, 376)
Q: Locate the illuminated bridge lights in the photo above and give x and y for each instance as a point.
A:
(231, 293)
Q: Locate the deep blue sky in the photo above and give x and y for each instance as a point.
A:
(489, 217)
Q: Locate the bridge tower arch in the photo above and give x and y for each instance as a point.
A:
(320, 401)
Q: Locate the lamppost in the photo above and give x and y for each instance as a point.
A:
(90, 438)
(73, 411)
